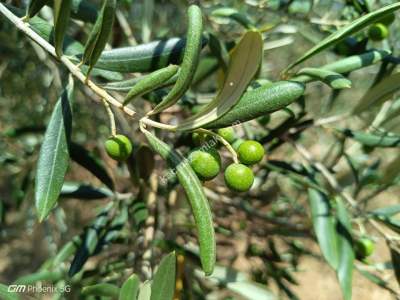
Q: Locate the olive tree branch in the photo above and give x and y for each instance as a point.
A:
(73, 69)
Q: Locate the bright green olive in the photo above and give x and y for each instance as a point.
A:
(118, 147)
(228, 134)
(378, 32)
(364, 247)
(250, 152)
(239, 177)
(264, 120)
(388, 20)
(206, 163)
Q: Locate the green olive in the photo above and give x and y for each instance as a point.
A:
(388, 19)
(364, 247)
(228, 134)
(250, 152)
(239, 177)
(206, 163)
(378, 32)
(118, 147)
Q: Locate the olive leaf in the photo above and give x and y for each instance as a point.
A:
(163, 286)
(379, 93)
(373, 139)
(189, 62)
(84, 10)
(391, 171)
(243, 65)
(100, 34)
(395, 255)
(62, 10)
(145, 57)
(324, 224)
(91, 163)
(344, 32)
(101, 289)
(54, 155)
(150, 82)
(333, 79)
(84, 191)
(145, 291)
(35, 6)
(130, 288)
(345, 249)
(233, 14)
(44, 275)
(196, 197)
(259, 102)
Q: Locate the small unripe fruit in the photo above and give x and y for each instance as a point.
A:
(264, 120)
(388, 20)
(118, 147)
(378, 32)
(239, 177)
(228, 134)
(206, 163)
(364, 247)
(250, 152)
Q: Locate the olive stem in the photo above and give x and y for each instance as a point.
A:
(73, 69)
(147, 121)
(110, 117)
(223, 141)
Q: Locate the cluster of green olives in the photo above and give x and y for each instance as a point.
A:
(363, 247)
(206, 161)
(379, 31)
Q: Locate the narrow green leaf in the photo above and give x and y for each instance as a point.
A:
(62, 11)
(91, 240)
(395, 255)
(333, 79)
(151, 82)
(84, 191)
(84, 10)
(379, 93)
(6, 295)
(196, 197)
(54, 156)
(324, 226)
(243, 65)
(145, 291)
(233, 14)
(388, 211)
(163, 286)
(101, 289)
(130, 288)
(100, 33)
(91, 163)
(45, 275)
(189, 62)
(373, 139)
(345, 248)
(260, 102)
(35, 6)
(67, 251)
(346, 31)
